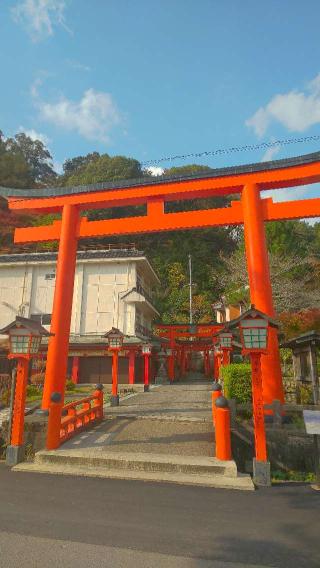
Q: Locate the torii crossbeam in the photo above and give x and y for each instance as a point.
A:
(252, 211)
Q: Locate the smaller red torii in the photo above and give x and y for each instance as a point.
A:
(181, 331)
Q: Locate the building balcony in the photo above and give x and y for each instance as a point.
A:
(138, 295)
(139, 288)
(141, 330)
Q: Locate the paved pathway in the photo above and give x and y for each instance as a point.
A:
(75, 522)
(170, 419)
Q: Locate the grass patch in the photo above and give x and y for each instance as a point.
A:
(302, 476)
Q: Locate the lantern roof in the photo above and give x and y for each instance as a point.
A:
(114, 332)
(223, 330)
(309, 338)
(252, 313)
(32, 326)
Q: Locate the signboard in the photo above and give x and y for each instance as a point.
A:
(312, 421)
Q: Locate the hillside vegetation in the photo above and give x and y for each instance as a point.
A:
(217, 253)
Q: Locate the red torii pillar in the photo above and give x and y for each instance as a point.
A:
(171, 358)
(206, 363)
(57, 359)
(260, 287)
(132, 356)
(183, 363)
(75, 369)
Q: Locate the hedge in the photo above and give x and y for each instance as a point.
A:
(237, 381)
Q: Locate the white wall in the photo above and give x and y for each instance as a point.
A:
(15, 292)
(97, 300)
(42, 289)
(102, 288)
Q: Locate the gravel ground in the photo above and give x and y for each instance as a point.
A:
(148, 436)
(173, 419)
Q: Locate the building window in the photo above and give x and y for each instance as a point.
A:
(50, 276)
(44, 319)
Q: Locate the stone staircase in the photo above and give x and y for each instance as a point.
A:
(187, 470)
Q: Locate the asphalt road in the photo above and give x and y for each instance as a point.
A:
(66, 522)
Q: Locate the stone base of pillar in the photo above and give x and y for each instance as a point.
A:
(15, 455)
(261, 473)
(114, 400)
(146, 388)
(42, 412)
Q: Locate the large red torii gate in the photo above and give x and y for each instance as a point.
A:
(251, 211)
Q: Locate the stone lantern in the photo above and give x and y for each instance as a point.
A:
(304, 352)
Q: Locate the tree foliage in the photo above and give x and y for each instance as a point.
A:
(95, 169)
(36, 155)
(219, 266)
(292, 277)
(296, 323)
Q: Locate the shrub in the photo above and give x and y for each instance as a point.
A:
(304, 394)
(237, 381)
(32, 390)
(70, 386)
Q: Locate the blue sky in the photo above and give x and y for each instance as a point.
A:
(157, 78)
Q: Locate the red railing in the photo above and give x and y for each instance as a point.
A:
(66, 422)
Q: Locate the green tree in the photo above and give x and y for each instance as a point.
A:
(106, 168)
(36, 155)
(289, 237)
(14, 171)
(73, 165)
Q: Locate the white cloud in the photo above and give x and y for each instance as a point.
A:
(270, 153)
(155, 170)
(34, 135)
(39, 17)
(34, 89)
(58, 167)
(296, 110)
(287, 194)
(93, 116)
(77, 65)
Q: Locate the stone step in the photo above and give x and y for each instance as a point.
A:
(189, 470)
(241, 482)
(139, 461)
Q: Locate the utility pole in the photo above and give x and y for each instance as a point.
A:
(190, 288)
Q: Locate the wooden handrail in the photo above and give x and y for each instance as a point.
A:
(66, 421)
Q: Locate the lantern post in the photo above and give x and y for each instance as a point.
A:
(225, 340)
(216, 361)
(254, 328)
(162, 374)
(170, 354)
(25, 337)
(114, 343)
(146, 352)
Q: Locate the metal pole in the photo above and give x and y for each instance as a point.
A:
(190, 288)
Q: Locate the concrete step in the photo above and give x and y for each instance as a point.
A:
(189, 470)
(139, 461)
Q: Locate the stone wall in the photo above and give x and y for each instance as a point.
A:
(288, 449)
(35, 432)
(290, 389)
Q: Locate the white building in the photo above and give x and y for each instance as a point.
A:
(112, 288)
